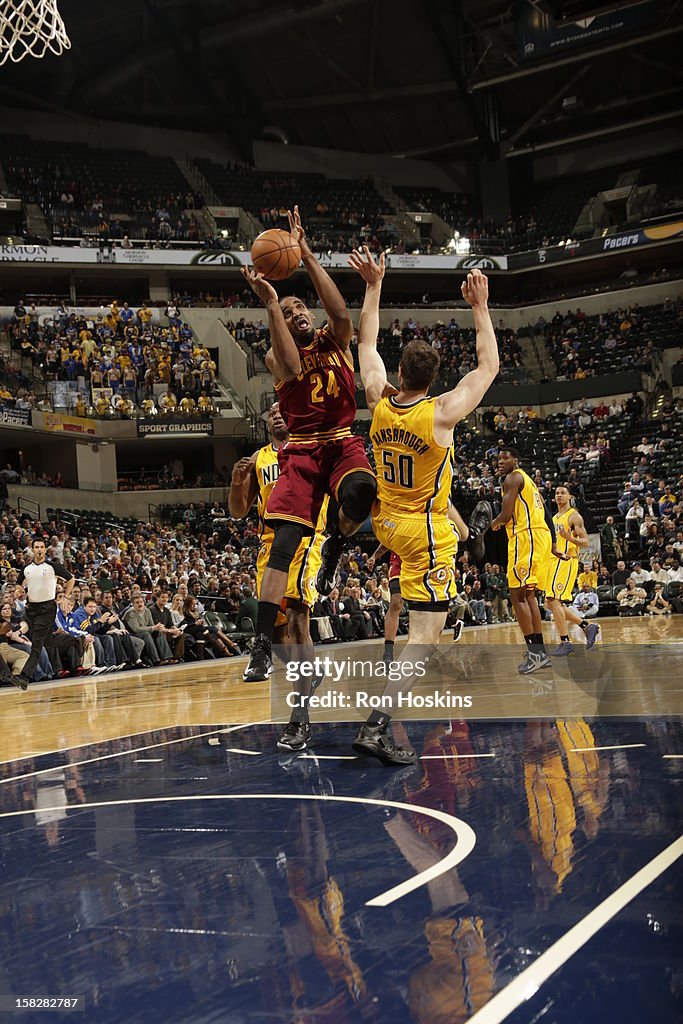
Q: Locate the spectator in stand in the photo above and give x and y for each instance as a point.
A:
(588, 578)
(139, 621)
(586, 603)
(631, 599)
(658, 604)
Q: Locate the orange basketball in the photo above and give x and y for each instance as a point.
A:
(275, 254)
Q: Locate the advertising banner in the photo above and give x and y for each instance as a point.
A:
(69, 424)
(539, 33)
(10, 417)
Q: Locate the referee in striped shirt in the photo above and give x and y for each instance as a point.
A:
(40, 580)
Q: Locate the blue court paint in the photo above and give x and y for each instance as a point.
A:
(242, 909)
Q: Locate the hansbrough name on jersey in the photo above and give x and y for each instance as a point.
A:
(414, 472)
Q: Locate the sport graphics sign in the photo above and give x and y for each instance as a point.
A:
(152, 427)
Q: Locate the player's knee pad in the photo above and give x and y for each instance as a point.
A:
(287, 538)
(356, 495)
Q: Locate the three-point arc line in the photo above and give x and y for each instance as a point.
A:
(466, 838)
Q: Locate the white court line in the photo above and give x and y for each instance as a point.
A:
(122, 753)
(330, 757)
(670, 757)
(251, 753)
(466, 838)
(444, 757)
(526, 984)
(127, 736)
(148, 760)
(618, 746)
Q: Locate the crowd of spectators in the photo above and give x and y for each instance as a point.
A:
(584, 345)
(456, 346)
(121, 363)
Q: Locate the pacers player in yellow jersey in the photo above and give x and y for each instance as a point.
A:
(531, 539)
(252, 480)
(570, 537)
(412, 438)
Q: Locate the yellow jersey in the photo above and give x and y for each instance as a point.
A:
(565, 547)
(267, 473)
(414, 473)
(529, 510)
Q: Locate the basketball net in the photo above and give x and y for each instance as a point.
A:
(31, 28)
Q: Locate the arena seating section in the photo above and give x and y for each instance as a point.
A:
(620, 339)
(329, 206)
(122, 189)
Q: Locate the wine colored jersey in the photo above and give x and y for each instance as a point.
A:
(319, 404)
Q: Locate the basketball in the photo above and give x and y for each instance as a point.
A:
(275, 254)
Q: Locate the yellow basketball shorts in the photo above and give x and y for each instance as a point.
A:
(427, 545)
(561, 578)
(529, 555)
(302, 571)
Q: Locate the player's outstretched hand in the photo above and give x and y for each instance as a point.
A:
(363, 261)
(258, 284)
(558, 554)
(475, 288)
(296, 230)
(240, 471)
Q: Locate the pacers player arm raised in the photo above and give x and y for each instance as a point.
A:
(576, 532)
(454, 405)
(373, 372)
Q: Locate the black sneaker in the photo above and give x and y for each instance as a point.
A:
(316, 682)
(260, 662)
(376, 741)
(480, 521)
(295, 737)
(20, 680)
(330, 554)
(458, 628)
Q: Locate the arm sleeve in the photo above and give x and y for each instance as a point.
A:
(551, 525)
(61, 571)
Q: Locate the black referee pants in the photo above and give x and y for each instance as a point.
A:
(40, 616)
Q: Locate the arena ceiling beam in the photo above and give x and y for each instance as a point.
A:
(237, 125)
(549, 104)
(341, 99)
(625, 126)
(105, 81)
(579, 55)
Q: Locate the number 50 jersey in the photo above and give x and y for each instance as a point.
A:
(414, 473)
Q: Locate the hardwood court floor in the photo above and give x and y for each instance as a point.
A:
(631, 671)
(163, 863)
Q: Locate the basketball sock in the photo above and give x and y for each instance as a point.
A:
(388, 649)
(265, 620)
(538, 643)
(379, 718)
(583, 625)
(564, 639)
(300, 715)
(530, 640)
